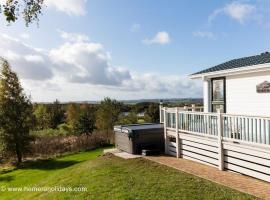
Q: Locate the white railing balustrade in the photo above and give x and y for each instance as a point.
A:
(233, 127)
(197, 123)
(247, 128)
(191, 108)
(171, 120)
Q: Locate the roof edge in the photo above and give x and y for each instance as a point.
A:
(246, 69)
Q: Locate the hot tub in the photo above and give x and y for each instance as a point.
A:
(134, 138)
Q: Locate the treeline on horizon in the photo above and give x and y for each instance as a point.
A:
(58, 118)
(83, 118)
(170, 101)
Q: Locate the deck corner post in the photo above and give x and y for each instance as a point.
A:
(177, 132)
(160, 111)
(220, 144)
(165, 130)
(193, 107)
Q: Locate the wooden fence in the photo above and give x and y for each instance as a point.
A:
(237, 143)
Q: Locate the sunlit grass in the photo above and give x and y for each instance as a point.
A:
(109, 177)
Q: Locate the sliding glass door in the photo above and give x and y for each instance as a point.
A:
(218, 94)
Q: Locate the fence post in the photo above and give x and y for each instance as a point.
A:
(220, 145)
(177, 132)
(165, 130)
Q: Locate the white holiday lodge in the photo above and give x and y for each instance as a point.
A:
(233, 131)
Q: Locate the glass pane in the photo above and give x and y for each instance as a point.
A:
(218, 90)
(218, 106)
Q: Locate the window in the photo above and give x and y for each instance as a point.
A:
(218, 94)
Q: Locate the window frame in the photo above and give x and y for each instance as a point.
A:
(224, 93)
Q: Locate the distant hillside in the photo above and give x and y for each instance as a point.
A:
(135, 101)
(171, 100)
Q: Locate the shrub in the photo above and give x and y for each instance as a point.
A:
(64, 129)
(56, 145)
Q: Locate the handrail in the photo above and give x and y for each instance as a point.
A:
(246, 128)
(248, 116)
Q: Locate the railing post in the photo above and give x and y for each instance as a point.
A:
(160, 111)
(177, 133)
(220, 144)
(193, 107)
(186, 123)
(165, 130)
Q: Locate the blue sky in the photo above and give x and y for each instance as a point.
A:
(86, 50)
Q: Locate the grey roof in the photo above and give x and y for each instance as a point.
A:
(240, 62)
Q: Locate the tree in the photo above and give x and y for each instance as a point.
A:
(56, 114)
(152, 113)
(30, 10)
(85, 123)
(15, 113)
(41, 116)
(141, 107)
(107, 115)
(72, 114)
(131, 118)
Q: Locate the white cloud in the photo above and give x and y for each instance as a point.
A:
(82, 70)
(86, 62)
(25, 36)
(160, 38)
(173, 85)
(135, 28)
(73, 37)
(34, 58)
(28, 62)
(238, 11)
(70, 7)
(204, 34)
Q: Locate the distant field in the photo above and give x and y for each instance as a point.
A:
(109, 177)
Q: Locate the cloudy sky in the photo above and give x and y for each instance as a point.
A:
(124, 49)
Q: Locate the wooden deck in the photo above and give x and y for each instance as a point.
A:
(230, 142)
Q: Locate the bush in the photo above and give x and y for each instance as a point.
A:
(131, 118)
(56, 145)
(45, 132)
(62, 129)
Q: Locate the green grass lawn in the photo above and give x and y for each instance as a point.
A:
(109, 177)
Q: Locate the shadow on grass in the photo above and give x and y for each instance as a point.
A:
(5, 171)
(51, 164)
(6, 178)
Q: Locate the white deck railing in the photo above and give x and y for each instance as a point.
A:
(245, 128)
(239, 143)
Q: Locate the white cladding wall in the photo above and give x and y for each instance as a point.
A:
(242, 97)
